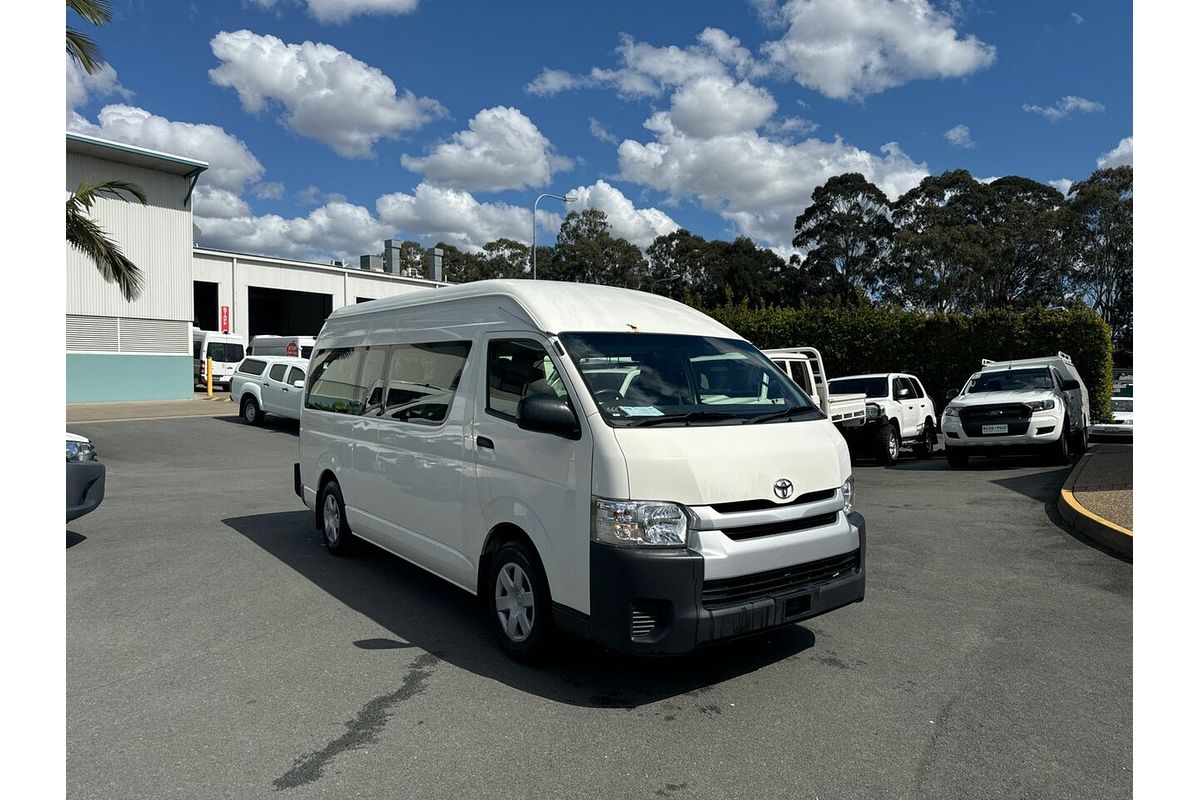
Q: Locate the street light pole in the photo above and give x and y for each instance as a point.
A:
(570, 198)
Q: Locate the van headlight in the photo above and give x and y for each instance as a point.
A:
(1041, 405)
(80, 451)
(848, 495)
(639, 523)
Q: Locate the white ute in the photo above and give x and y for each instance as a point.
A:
(1032, 404)
(805, 366)
(601, 460)
(269, 385)
(899, 413)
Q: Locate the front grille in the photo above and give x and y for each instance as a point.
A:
(759, 505)
(773, 528)
(728, 591)
(1014, 415)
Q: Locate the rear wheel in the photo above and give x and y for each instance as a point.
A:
(251, 412)
(928, 441)
(888, 452)
(957, 456)
(519, 601)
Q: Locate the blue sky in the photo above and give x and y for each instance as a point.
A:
(331, 125)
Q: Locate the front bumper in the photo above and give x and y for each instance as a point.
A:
(1041, 430)
(85, 487)
(656, 601)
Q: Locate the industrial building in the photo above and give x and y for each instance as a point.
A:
(119, 350)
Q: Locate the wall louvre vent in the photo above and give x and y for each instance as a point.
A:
(155, 336)
(92, 333)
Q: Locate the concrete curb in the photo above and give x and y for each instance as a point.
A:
(1106, 533)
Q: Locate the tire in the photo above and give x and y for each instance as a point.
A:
(251, 412)
(888, 446)
(924, 448)
(518, 602)
(957, 457)
(1060, 451)
(331, 518)
(1079, 441)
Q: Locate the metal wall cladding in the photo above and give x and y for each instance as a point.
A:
(157, 237)
(92, 334)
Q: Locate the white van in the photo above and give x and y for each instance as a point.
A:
(226, 351)
(605, 461)
(291, 346)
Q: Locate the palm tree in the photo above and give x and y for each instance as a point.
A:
(90, 239)
(82, 231)
(86, 52)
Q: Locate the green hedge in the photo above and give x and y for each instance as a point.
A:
(943, 350)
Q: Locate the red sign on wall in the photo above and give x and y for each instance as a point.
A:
(291, 349)
(224, 319)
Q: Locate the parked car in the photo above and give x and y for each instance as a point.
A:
(269, 385)
(295, 346)
(1122, 421)
(85, 477)
(806, 368)
(900, 413)
(226, 351)
(1033, 404)
(481, 432)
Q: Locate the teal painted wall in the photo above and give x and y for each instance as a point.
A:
(113, 377)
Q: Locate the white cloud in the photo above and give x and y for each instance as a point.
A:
(271, 191)
(231, 164)
(1062, 184)
(600, 132)
(1077, 17)
(326, 94)
(1070, 104)
(756, 183)
(854, 48)
(638, 225)
(335, 230)
(960, 136)
(211, 203)
(502, 149)
(438, 213)
(1119, 156)
(788, 126)
(339, 11)
(82, 87)
(647, 70)
(715, 106)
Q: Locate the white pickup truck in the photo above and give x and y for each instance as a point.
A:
(804, 366)
(899, 413)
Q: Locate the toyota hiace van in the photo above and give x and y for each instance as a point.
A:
(599, 460)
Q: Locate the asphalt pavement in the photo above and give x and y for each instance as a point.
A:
(216, 650)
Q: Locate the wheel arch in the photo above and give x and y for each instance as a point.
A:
(497, 537)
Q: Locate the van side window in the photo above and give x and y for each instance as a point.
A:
(422, 380)
(277, 371)
(518, 367)
(334, 385)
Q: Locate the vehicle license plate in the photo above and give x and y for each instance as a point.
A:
(995, 429)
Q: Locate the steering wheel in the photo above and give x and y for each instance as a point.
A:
(606, 397)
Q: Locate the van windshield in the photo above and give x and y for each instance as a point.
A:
(642, 379)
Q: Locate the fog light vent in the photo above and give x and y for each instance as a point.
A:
(642, 622)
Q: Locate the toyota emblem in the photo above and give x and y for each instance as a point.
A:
(783, 488)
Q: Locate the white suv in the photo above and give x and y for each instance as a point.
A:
(1037, 404)
(269, 384)
(899, 411)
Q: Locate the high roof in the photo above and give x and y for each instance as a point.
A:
(558, 306)
(123, 153)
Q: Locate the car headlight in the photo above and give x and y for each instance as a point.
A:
(951, 411)
(848, 495)
(81, 451)
(638, 523)
(1041, 405)
(873, 411)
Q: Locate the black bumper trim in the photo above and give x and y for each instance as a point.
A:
(296, 485)
(85, 487)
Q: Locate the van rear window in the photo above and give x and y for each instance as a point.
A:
(252, 366)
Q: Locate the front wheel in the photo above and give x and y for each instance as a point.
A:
(1060, 451)
(1079, 440)
(334, 527)
(889, 446)
(251, 412)
(519, 601)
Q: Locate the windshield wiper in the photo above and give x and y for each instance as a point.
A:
(786, 412)
(686, 419)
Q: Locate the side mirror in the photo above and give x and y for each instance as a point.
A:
(547, 414)
(951, 394)
(298, 384)
(1070, 385)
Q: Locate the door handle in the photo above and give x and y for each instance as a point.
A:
(484, 443)
(285, 388)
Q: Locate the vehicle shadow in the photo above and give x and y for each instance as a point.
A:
(426, 612)
(998, 463)
(74, 538)
(271, 422)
